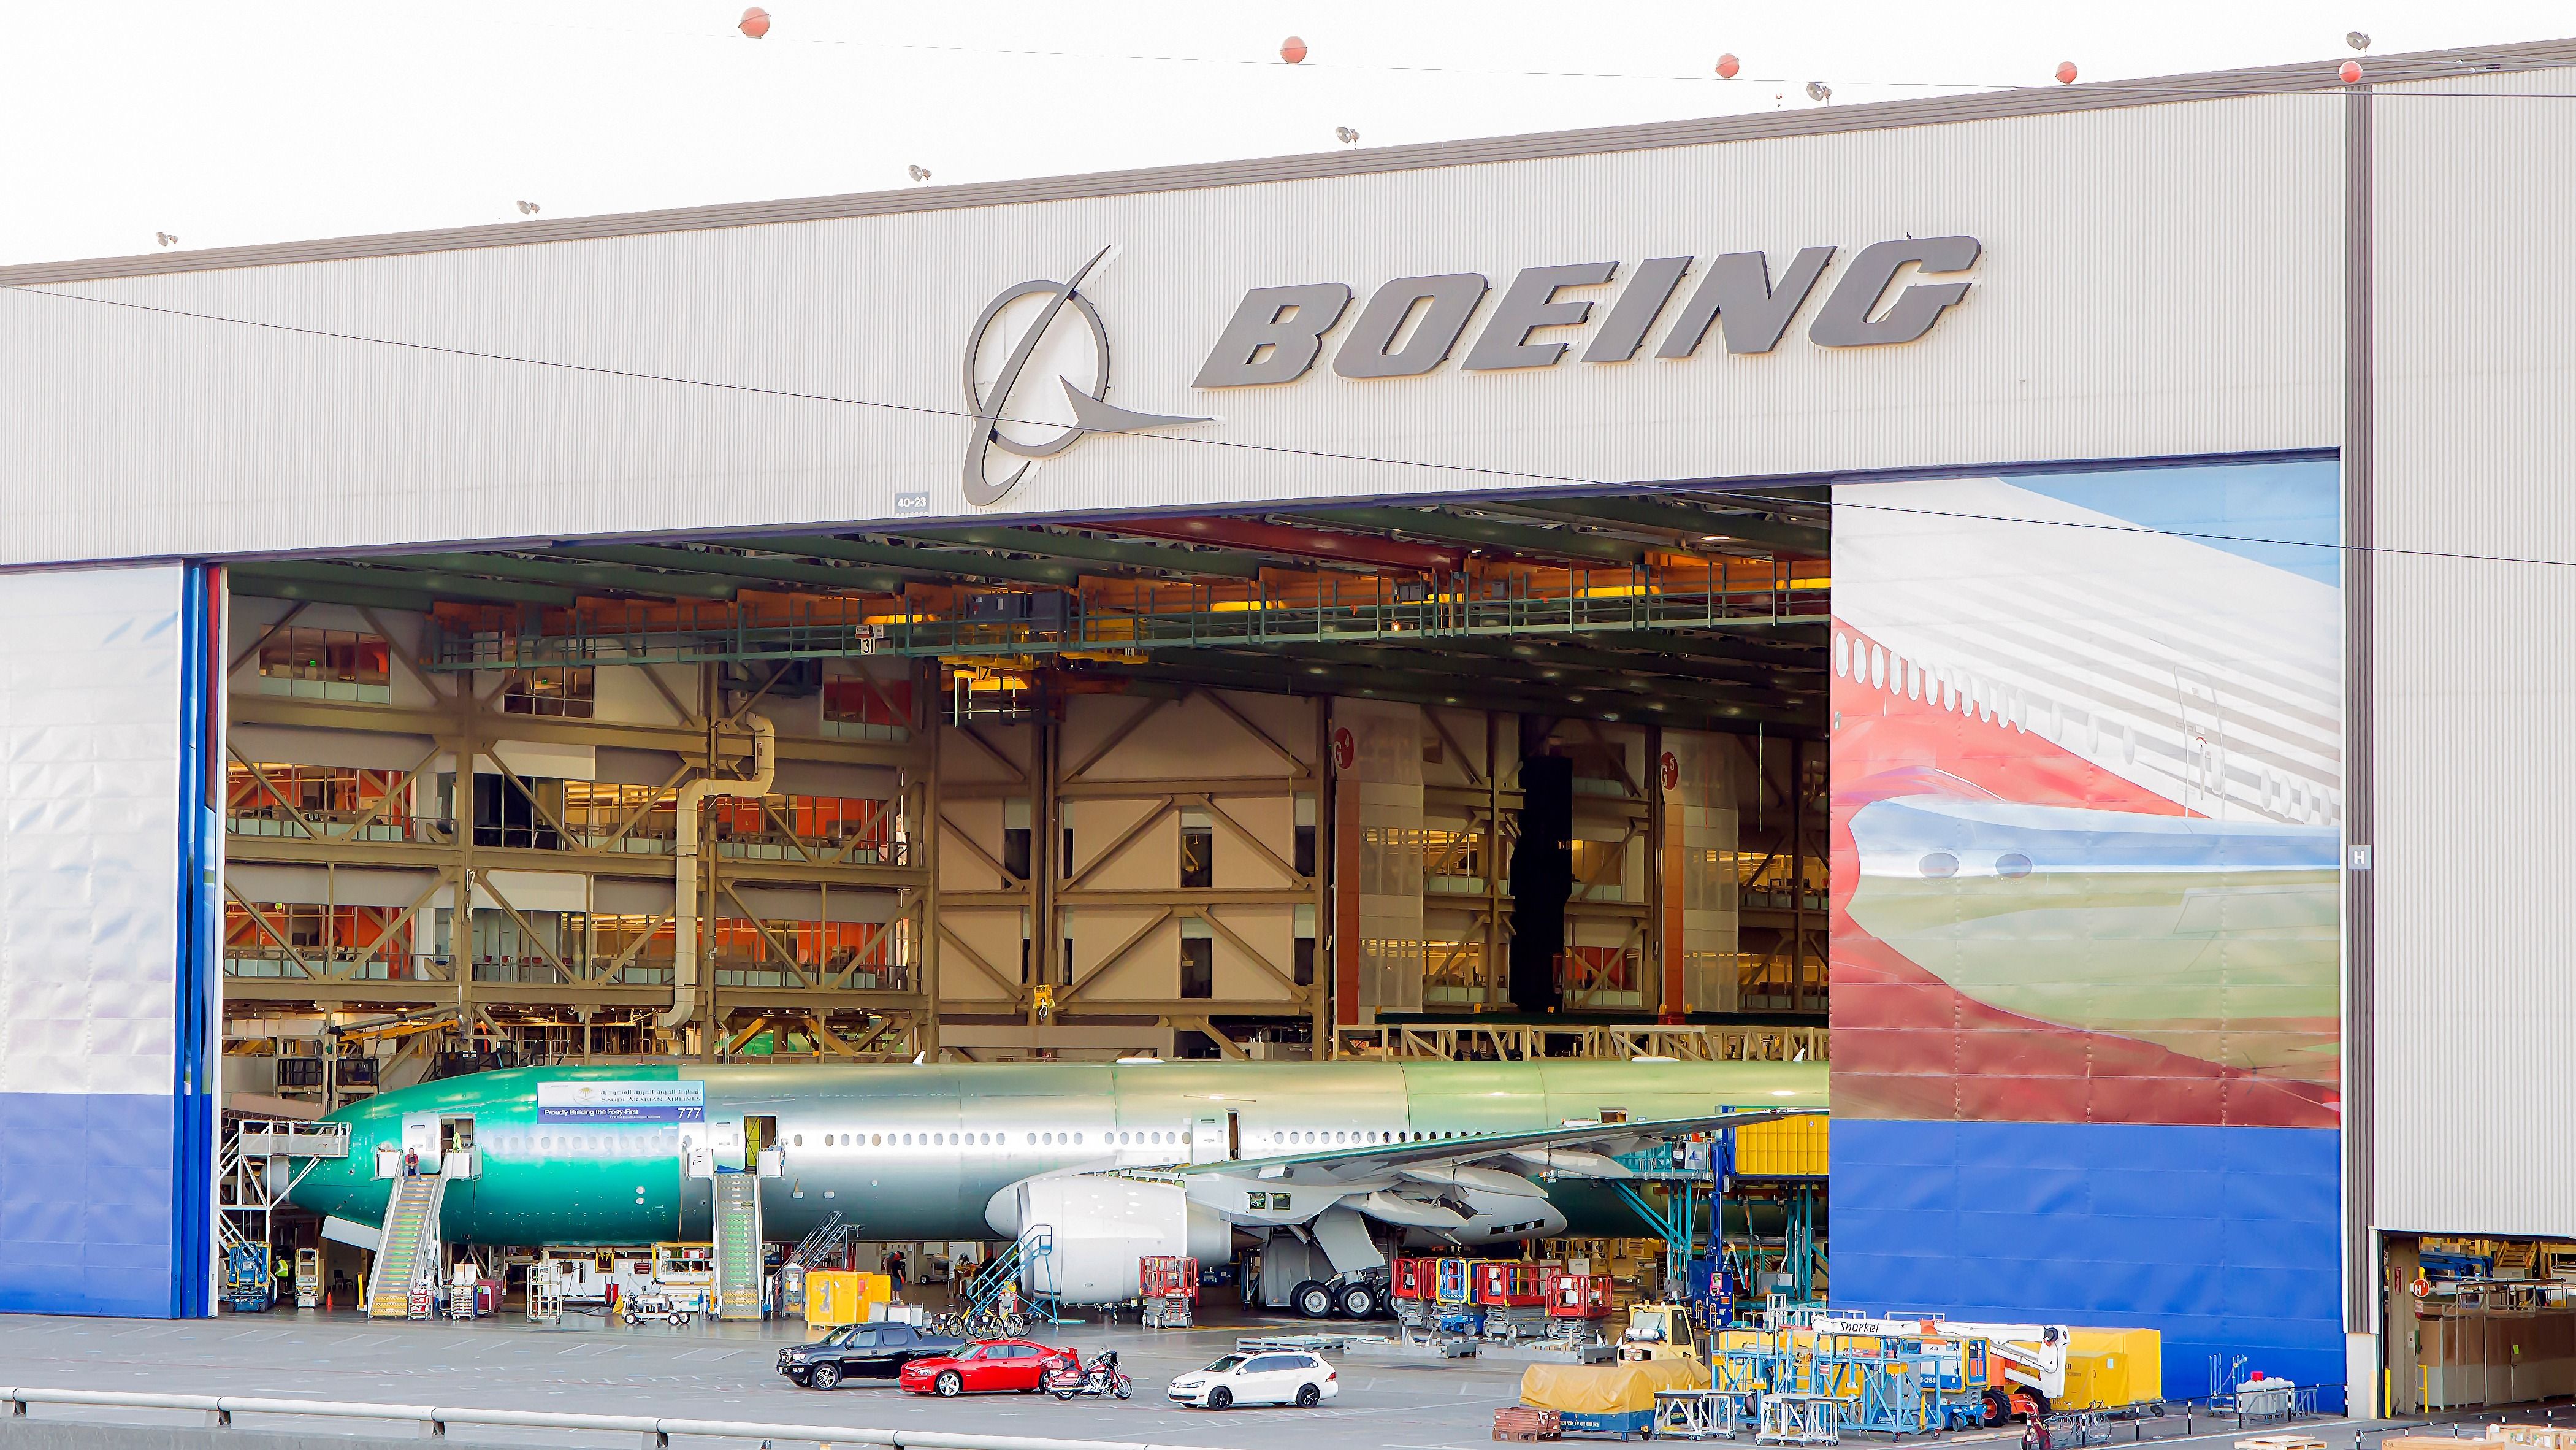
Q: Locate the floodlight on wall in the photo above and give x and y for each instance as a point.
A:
(1819, 92)
(918, 173)
(2357, 39)
(529, 208)
(165, 239)
(1346, 135)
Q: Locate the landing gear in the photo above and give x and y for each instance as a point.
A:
(1356, 1301)
(1314, 1300)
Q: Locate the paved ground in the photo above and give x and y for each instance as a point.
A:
(1409, 1399)
(1395, 1397)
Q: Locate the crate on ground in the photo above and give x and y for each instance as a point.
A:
(1524, 1423)
(2538, 1437)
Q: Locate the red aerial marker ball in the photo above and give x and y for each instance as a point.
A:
(2351, 72)
(1292, 50)
(755, 22)
(2066, 72)
(1727, 66)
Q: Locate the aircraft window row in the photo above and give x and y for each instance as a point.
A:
(983, 1140)
(1362, 1137)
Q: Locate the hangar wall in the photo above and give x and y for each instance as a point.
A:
(2475, 365)
(107, 986)
(2170, 290)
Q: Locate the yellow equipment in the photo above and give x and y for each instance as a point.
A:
(842, 1296)
(1659, 1331)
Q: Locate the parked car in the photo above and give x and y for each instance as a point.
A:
(1280, 1377)
(862, 1352)
(990, 1364)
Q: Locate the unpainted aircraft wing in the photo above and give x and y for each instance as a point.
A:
(1576, 1151)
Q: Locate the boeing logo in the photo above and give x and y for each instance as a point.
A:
(999, 425)
(1411, 325)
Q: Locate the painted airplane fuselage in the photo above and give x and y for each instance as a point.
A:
(917, 1152)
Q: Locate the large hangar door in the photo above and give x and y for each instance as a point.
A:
(108, 986)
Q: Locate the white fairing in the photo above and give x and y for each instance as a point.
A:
(1083, 1234)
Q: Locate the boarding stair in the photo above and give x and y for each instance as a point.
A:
(738, 1266)
(826, 1244)
(407, 1250)
(1028, 1270)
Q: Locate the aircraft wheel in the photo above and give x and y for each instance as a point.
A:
(1313, 1300)
(1356, 1301)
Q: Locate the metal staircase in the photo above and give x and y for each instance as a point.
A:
(829, 1240)
(1028, 1268)
(738, 1266)
(407, 1251)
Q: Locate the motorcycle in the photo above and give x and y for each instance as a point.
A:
(1100, 1377)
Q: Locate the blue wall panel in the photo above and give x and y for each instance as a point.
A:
(86, 1204)
(2223, 1239)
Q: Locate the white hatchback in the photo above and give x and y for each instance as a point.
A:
(1274, 1377)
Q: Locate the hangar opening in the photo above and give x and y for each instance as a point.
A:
(1312, 781)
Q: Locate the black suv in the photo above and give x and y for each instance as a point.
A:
(861, 1352)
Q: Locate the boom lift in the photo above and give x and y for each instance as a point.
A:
(2025, 1363)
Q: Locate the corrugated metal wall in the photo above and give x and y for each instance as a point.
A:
(2155, 281)
(2475, 657)
(105, 1127)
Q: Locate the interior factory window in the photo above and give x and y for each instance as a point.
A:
(1305, 858)
(548, 690)
(1304, 962)
(1198, 959)
(325, 664)
(1198, 848)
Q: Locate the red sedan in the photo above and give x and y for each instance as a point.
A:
(990, 1364)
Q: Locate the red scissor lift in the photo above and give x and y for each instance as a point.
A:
(1513, 1294)
(1168, 1285)
(1578, 1305)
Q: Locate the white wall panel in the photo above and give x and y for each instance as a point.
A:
(2158, 280)
(89, 830)
(2476, 770)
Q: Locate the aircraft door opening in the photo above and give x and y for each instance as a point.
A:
(1217, 1139)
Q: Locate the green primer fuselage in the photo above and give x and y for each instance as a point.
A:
(916, 1152)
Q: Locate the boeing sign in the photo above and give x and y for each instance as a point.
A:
(1889, 293)
(1412, 325)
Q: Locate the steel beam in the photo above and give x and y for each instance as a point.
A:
(246, 579)
(1449, 528)
(427, 581)
(689, 744)
(570, 575)
(1295, 543)
(1161, 558)
(1687, 519)
(774, 572)
(928, 563)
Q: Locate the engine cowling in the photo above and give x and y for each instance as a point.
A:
(1095, 1228)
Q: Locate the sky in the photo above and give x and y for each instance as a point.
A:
(227, 124)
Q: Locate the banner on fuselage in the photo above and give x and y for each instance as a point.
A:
(621, 1102)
